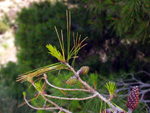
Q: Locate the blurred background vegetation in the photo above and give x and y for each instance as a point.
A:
(118, 43)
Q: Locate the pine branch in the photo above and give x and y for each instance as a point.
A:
(64, 98)
(114, 108)
(28, 76)
(36, 108)
(41, 92)
(65, 89)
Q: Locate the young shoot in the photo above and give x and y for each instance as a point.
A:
(111, 87)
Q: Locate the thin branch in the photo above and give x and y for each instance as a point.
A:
(39, 108)
(125, 85)
(64, 98)
(60, 108)
(45, 99)
(143, 72)
(65, 89)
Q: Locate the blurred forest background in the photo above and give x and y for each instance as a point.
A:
(118, 48)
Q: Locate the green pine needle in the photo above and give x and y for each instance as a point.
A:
(24, 94)
(37, 72)
(54, 52)
(111, 86)
(38, 86)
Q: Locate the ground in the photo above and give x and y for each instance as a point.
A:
(7, 47)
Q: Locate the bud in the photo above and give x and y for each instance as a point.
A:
(24, 94)
(36, 94)
(133, 99)
(83, 70)
(72, 80)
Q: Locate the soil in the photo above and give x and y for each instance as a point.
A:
(10, 8)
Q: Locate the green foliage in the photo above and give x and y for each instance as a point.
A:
(97, 81)
(9, 74)
(106, 26)
(10, 93)
(36, 30)
(54, 52)
(60, 81)
(7, 20)
(129, 19)
(3, 27)
(117, 29)
(24, 94)
(98, 23)
(28, 76)
(38, 86)
(111, 87)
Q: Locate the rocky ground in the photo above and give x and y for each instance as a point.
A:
(7, 47)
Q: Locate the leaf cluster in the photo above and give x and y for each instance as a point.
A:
(128, 19)
(111, 87)
(54, 52)
(74, 50)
